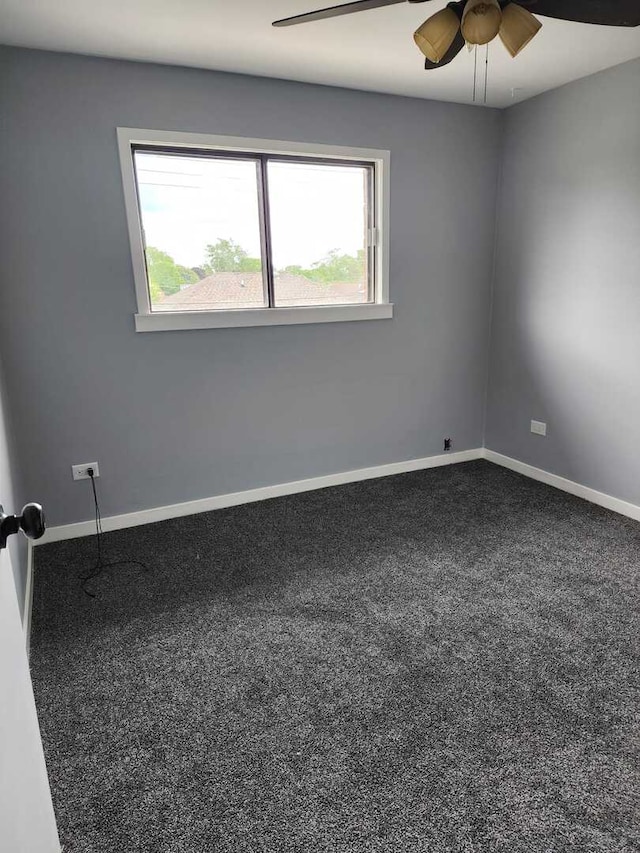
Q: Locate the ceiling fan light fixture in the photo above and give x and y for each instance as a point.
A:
(518, 27)
(481, 21)
(436, 35)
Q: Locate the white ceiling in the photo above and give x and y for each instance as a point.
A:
(371, 50)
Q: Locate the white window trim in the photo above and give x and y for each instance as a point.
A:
(148, 321)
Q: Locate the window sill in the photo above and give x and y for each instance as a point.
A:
(167, 322)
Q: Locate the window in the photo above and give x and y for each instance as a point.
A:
(242, 232)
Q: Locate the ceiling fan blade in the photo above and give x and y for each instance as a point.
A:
(334, 11)
(454, 50)
(612, 13)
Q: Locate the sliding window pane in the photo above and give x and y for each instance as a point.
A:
(319, 216)
(201, 224)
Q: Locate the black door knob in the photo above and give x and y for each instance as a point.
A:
(31, 522)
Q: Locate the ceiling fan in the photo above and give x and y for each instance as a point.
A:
(443, 35)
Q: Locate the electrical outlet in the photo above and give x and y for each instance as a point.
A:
(538, 428)
(80, 471)
(447, 444)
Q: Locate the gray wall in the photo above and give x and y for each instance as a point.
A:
(566, 316)
(182, 415)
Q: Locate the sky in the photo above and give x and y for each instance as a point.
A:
(188, 202)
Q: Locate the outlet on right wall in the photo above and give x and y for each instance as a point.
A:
(565, 346)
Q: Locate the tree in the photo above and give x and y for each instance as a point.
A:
(294, 269)
(332, 268)
(202, 271)
(165, 275)
(229, 256)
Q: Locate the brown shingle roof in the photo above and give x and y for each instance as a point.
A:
(240, 290)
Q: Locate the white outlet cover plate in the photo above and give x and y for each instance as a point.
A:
(538, 428)
(80, 471)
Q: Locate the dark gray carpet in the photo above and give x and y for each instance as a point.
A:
(444, 661)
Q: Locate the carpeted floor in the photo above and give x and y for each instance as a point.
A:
(445, 661)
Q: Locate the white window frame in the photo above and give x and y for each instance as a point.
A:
(148, 321)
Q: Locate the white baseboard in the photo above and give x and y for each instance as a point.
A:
(580, 491)
(28, 597)
(162, 513)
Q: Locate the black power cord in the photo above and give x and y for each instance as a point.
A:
(100, 566)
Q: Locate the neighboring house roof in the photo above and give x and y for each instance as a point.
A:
(239, 290)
